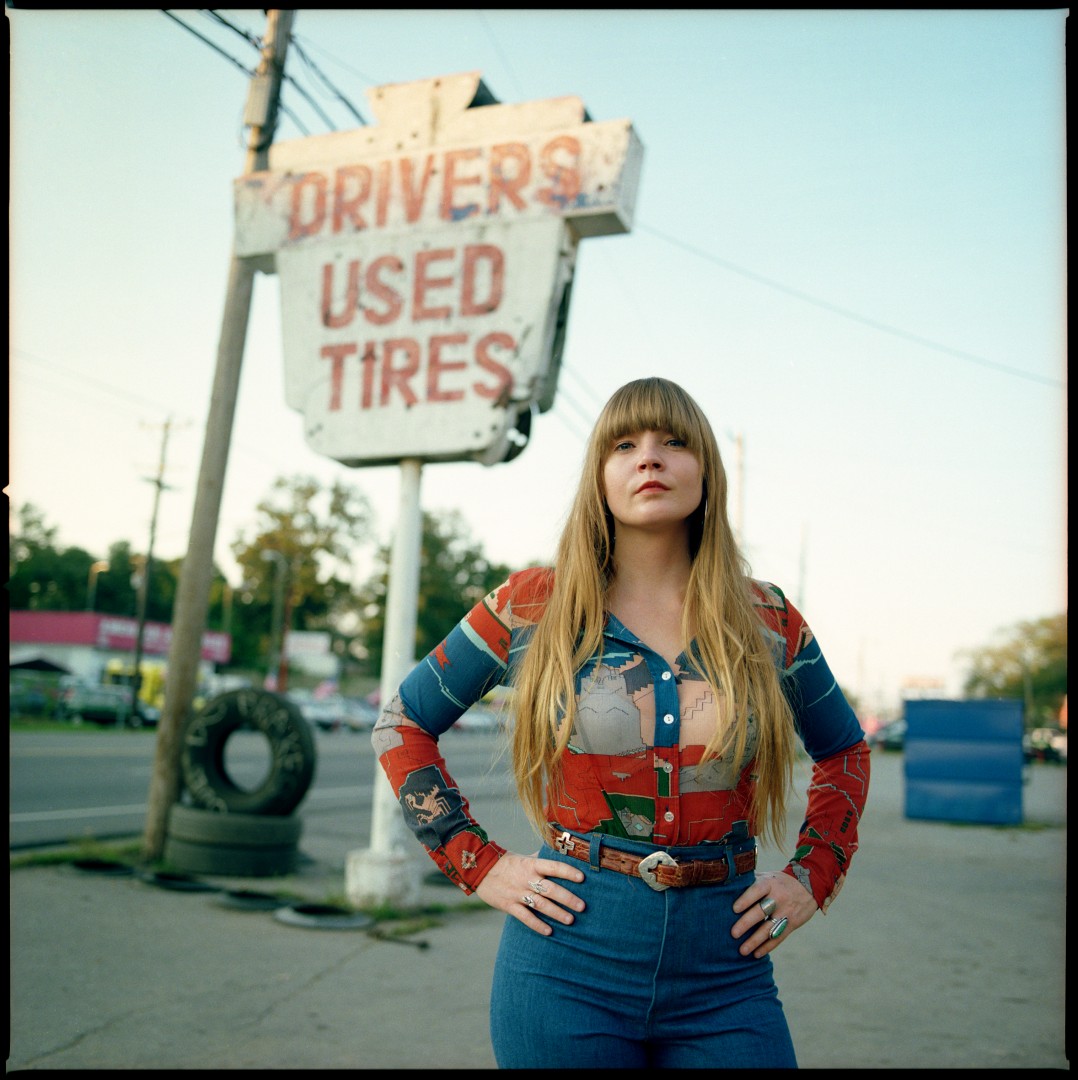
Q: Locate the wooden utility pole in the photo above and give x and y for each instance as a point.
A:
(193, 591)
(147, 570)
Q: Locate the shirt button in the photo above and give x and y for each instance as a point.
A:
(668, 766)
(668, 718)
(666, 676)
(668, 816)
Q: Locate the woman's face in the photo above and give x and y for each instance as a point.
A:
(651, 480)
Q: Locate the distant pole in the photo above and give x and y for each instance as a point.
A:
(144, 585)
(196, 574)
(91, 583)
(276, 642)
(388, 871)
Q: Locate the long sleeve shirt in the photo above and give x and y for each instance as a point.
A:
(633, 767)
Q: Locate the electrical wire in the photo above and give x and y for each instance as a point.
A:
(250, 73)
(326, 81)
(846, 313)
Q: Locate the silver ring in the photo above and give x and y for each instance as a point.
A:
(777, 927)
(767, 906)
(537, 885)
(528, 899)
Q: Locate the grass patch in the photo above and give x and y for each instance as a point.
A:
(127, 852)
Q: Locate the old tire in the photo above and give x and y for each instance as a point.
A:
(203, 841)
(227, 860)
(199, 826)
(292, 753)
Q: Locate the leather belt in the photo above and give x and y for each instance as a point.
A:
(660, 870)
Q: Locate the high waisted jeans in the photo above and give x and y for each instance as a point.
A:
(641, 978)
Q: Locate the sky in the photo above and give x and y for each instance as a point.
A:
(848, 243)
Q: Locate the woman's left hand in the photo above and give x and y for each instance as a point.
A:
(792, 903)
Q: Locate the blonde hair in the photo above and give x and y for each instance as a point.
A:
(730, 648)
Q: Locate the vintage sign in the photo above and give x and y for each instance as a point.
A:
(426, 264)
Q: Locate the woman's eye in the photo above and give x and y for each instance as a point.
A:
(676, 442)
(624, 445)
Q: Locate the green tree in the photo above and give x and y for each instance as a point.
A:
(454, 575)
(1028, 661)
(315, 531)
(41, 575)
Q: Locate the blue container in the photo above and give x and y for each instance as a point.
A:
(964, 761)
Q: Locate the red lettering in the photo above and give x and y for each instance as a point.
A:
(502, 374)
(336, 354)
(502, 183)
(380, 290)
(437, 365)
(351, 299)
(413, 200)
(473, 254)
(366, 399)
(383, 191)
(450, 182)
(348, 205)
(560, 163)
(297, 227)
(397, 378)
(422, 283)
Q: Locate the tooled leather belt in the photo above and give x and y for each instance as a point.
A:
(660, 869)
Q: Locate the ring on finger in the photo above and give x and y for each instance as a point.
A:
(528, 900)
(537, 885)
(778, 926)
(767, 906)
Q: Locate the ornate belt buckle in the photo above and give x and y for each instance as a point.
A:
(646, 868)
(564, 843)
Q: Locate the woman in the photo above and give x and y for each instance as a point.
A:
(659, 693)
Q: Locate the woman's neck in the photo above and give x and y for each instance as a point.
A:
(650, 564)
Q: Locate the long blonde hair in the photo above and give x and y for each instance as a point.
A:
(719, 617)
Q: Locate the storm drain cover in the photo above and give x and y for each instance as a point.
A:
(322, 917)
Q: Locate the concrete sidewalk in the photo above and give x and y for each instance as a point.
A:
(946, 949)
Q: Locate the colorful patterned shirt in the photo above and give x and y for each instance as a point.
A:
(633, 765)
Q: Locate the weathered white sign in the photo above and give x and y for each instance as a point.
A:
(425, 264)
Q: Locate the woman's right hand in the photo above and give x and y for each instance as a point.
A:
(525, 887)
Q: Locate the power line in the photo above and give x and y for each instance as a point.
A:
(232, 60)
(206, 41)
(846, 313)
(326, 81)
(256, 42)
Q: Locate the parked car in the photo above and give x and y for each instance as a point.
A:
(1045, 744)
(359, 714)
(479, 718)
(891, 736)
(102, 704)
(27, 701)
(324, 713)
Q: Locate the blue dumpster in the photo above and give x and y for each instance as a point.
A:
(963, 761)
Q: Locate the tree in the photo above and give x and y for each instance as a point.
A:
(1027, 662)
(315, 531)
(41, 575)
(454, 575)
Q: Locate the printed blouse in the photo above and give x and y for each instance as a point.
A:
(633, 767)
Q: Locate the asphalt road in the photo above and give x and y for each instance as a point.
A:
(95, 782)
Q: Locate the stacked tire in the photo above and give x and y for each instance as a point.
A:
(228, 829)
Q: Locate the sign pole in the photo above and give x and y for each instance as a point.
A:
(388, 871)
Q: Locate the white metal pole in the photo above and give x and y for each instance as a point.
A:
(389, 870)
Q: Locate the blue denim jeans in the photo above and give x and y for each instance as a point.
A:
(641, 978)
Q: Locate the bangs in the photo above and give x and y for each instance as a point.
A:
(651, 405)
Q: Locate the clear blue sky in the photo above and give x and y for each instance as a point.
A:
(849, 244)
